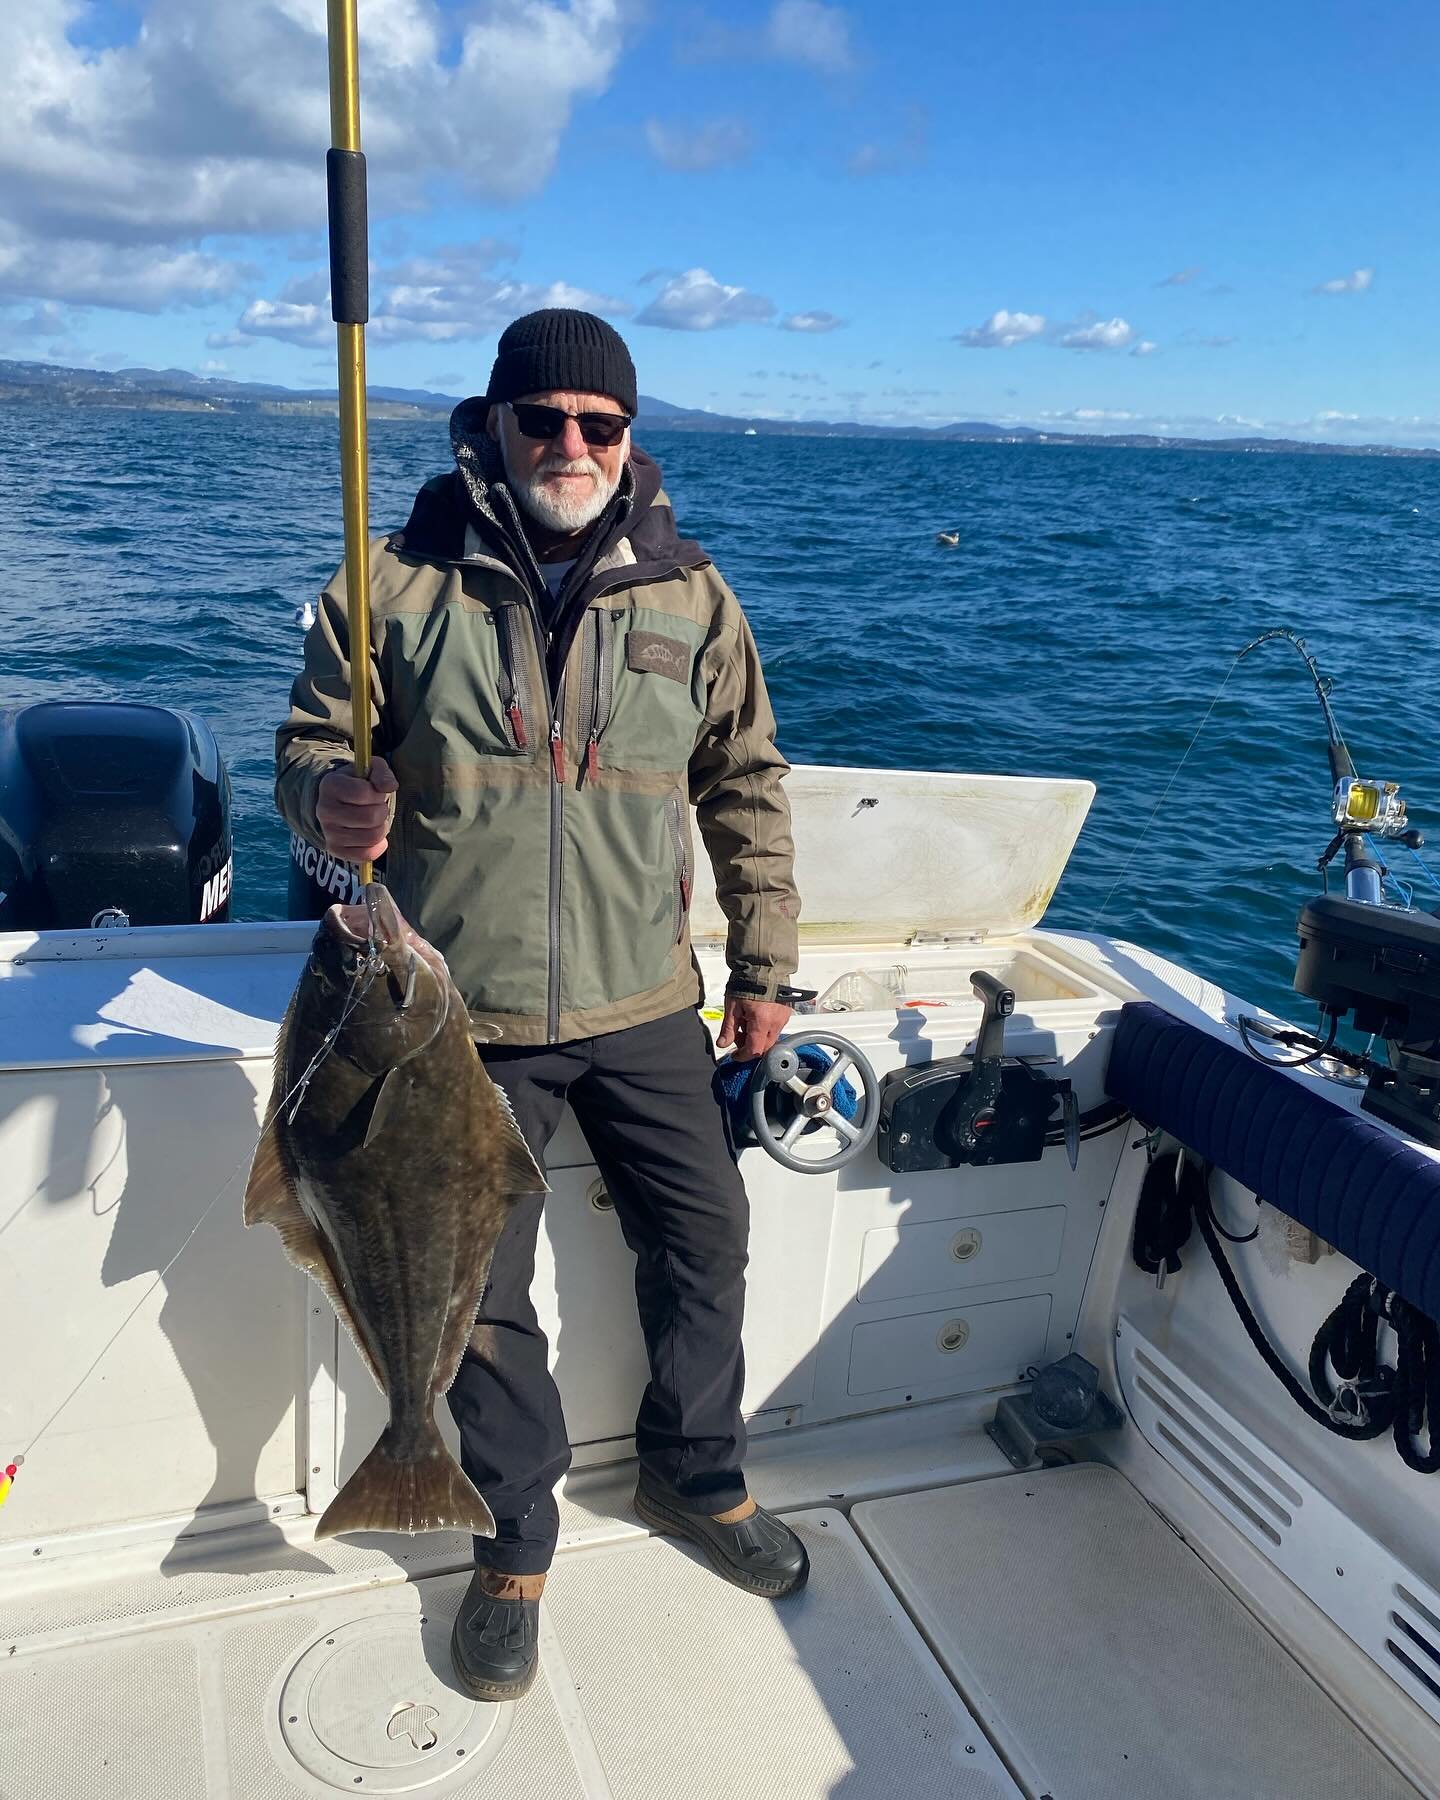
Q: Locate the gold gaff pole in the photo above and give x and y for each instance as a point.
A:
(350, 308)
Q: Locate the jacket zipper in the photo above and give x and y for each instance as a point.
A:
(556, 704)
(682, 863)
(557, 839)
(517, 690)
(596, 675)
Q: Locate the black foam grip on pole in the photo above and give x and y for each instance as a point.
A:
(349, 237)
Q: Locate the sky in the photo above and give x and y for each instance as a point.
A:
(1206, 219)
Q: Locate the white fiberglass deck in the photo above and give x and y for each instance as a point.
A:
(1105, 1660)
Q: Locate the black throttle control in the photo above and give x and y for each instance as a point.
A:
(971, 1110)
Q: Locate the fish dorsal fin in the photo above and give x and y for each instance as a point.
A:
(388, 1103)
(520, 1172)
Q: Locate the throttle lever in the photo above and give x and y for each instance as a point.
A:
(976, 1111)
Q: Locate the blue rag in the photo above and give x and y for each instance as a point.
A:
(735, 1082)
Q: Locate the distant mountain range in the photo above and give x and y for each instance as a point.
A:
(176, 390)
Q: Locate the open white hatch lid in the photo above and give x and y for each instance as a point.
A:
(881, 854)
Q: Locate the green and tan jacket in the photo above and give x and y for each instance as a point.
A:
(541, 837)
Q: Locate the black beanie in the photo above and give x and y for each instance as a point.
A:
(563, 348)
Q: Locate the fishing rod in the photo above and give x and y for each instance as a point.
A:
(350, 309)
(1361, 809)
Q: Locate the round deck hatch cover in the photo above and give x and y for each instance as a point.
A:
(372, 1708)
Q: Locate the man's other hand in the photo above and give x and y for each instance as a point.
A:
(752, 1026)
(354, 813)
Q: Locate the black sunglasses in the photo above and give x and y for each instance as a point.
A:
(604, 430)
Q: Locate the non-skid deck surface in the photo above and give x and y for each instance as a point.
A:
(1109, 1663)
(660, 1682)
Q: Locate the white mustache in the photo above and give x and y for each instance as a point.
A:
(584, 465)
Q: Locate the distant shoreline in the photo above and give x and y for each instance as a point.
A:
(177, 391)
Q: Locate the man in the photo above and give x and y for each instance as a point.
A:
(557, 678)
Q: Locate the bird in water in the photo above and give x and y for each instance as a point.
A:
(949, 538)
(305, 615)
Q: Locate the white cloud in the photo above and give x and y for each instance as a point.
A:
(807, 31)
(81, 272)
(295, 324)
(696, 301)
(213, 120)
(1358, 281)
(717, 145)
(1182, 277)
(888, 156)
(1104, 334)
(815, 322)
(448, 297)
(44, 320)
(1002, 330)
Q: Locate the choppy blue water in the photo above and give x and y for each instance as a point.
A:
(1082, 626)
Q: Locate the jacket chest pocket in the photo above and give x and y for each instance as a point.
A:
(464, 686)
(641, 704)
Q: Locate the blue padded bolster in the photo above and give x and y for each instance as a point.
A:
(1376, 1199)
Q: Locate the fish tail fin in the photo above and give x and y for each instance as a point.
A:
(425, 1491)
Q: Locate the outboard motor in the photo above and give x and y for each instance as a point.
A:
(318, 880)
(111, 814)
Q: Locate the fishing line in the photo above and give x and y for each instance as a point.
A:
(1139, 842)
(360, 985)
(1430, 874)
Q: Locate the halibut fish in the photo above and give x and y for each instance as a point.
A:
(389, 1165)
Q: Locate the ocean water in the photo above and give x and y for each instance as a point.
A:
(1083, 626)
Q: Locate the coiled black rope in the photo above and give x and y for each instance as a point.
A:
(1349, 1341)
(1359, 1426)
(1366, 1399)
(1417, 1385)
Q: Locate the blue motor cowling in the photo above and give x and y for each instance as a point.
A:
(111, 814)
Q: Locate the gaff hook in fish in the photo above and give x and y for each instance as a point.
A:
(360, 985)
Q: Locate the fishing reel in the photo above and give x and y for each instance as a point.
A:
(815, 1088)
(1362, 955)
(1375, 807)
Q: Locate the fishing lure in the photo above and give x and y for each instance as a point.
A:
(7, 1480)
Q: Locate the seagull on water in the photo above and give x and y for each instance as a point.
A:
(949, 538)
(305, 615)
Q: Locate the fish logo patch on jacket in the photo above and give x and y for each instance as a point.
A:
(651, 654)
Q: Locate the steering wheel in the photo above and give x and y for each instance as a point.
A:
(812, 1098)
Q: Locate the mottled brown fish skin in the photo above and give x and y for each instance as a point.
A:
(391, 1187)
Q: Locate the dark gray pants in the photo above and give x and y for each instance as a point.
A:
(646, 1103)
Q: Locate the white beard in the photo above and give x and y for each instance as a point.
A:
(561, 511)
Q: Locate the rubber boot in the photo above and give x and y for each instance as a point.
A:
(496, 1642)
(747, 1545)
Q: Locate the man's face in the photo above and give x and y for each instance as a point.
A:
(562, 482)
